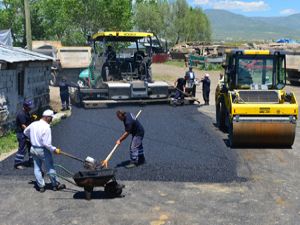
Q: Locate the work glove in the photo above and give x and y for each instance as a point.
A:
(57, 151)
(34, 117)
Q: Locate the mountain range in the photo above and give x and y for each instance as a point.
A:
(229, 26)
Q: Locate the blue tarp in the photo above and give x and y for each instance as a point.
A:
(286, 40)
(6, 38)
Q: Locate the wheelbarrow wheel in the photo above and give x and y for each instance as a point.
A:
(113, 188)
(88, 192)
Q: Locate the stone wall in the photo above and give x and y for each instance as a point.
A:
(20, 81)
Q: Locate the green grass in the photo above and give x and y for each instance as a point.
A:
(8, 142)
(179, 63)
(167, 78)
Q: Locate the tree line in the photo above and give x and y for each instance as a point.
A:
(70, 21)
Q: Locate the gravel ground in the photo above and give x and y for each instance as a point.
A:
(191, 176)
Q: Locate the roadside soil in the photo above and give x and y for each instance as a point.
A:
(55, 103)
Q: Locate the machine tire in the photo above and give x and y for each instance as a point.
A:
(53, 80)
(230, 136)
(220, 116)
(113, 188)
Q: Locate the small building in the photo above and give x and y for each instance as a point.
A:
(24, 75)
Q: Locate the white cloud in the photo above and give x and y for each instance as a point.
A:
(287, 12)
(235, 5)
(201, 2)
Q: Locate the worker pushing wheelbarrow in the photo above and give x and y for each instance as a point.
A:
(97, 174)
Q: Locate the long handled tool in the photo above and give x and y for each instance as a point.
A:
(186, 94)
(88, 163)
(104, 163)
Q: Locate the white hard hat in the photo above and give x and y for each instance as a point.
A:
(206, 75)
(49, 113)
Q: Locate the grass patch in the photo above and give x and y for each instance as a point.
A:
(168, 78)
(179, 63)
(8, 142)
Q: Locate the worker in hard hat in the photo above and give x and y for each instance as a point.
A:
(206, 88)
(39, 133)
(135, 128)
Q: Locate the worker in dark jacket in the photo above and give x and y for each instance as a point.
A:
(23, 120)
(180, 89)
(135, 128)
(206, 88)
(64, 94)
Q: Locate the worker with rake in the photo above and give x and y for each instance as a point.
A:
(135, 128)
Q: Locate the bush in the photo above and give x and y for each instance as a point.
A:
(8, 142)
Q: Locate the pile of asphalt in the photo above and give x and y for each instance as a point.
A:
(181, 144)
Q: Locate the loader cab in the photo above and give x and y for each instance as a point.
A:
(255, 69)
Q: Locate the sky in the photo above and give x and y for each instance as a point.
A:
(265, 8)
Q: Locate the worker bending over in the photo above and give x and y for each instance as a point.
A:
(180, 89)
(39, 133)
(135, 128)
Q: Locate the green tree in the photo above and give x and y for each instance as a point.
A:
(149, 18)
(172, 20)
(12, 17)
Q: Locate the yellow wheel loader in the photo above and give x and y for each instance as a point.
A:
(251, 103)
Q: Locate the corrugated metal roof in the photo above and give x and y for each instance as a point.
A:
(14, 54)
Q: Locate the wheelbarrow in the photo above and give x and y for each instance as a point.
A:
(95, 178)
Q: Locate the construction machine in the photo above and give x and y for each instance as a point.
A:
(120, 71)
(251, 103)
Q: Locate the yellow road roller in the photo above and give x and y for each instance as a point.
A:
(251, 104)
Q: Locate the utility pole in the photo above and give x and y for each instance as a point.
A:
(28, 24)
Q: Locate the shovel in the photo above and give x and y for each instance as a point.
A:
(88, 163)
(104, 163)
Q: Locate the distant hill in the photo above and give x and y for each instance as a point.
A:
(230, 26)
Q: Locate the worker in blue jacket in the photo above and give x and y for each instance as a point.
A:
(23, 120)
(135, 128)
(64, 93)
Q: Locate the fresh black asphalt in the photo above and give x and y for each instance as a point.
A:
(181, 144)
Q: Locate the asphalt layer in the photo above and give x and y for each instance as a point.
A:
(181, 144)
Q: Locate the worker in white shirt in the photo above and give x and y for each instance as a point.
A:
(39, 133)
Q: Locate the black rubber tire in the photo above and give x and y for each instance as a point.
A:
(53, 79)
(220, 116)
(88, 192)
(230, 134)
(113, 188)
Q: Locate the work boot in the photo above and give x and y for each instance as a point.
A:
(42, 189)
(131, 165)
(59, 187)
(19, 167)
(141, 160)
